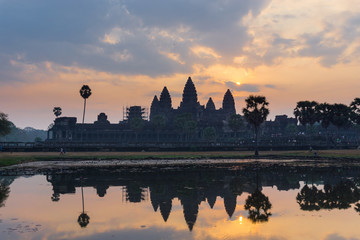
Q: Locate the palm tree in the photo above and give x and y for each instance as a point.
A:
(305, 113)
(341, 115)
(255, 113)
(355, 111)
(324, 112)
(85, 93)
(57, 111)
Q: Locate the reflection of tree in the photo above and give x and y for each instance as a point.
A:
(55, 197)
(258, 206)
(307, 198)
(4, 194)
(83, 218)
(340, 196)
(357, 207)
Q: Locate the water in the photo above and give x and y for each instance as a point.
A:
(228, 202)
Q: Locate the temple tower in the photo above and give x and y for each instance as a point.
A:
(155, 107)
(210, 106)
(228, 103)
(165, 99)
(189, 99)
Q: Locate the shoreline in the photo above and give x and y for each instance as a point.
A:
(107, 159)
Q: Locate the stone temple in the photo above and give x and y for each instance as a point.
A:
(186, 123)
(191, 105)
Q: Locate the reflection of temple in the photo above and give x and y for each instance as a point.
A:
(196, 185)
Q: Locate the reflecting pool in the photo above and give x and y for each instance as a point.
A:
(239, 201)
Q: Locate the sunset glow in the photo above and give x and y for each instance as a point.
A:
(128, 50)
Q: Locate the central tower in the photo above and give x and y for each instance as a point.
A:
(189, 97)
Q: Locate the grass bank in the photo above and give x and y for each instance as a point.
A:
(7, 159)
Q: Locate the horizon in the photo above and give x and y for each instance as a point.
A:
(127, 51)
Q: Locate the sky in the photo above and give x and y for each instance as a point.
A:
(128, 50)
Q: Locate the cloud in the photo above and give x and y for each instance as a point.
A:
(270, 86)
(128, 37)
(336, 236)
(243, 87)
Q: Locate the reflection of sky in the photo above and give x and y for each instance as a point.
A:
(29, 213)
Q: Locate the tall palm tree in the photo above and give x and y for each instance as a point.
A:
(85, 93)
(57, 111)
(305, 113)
(341, 115)
(255, 113)
(324, 112)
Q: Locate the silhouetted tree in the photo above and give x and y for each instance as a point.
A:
(85, 93)
(305, 113)
(357, 207)
(136, 124)
(209, 134)
(324, 112)
(57, 111)
(55, 197)
(83, 220)
(190, 128)
(258, 206)
(307, 198)
(185, 124)
(341, 116)
(158, 122)
(235, 122)
(5, 124)
(4, 193)
(255, 113)
(355, 111)
(339, 196)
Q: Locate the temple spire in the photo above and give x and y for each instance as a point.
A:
(165, 99)
(189, 98)
(229, 103)
(210, 106)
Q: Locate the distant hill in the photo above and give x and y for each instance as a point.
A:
(27, 134)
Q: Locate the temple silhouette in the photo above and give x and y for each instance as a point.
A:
(190, 105)
(164, 124)
(190, 126)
